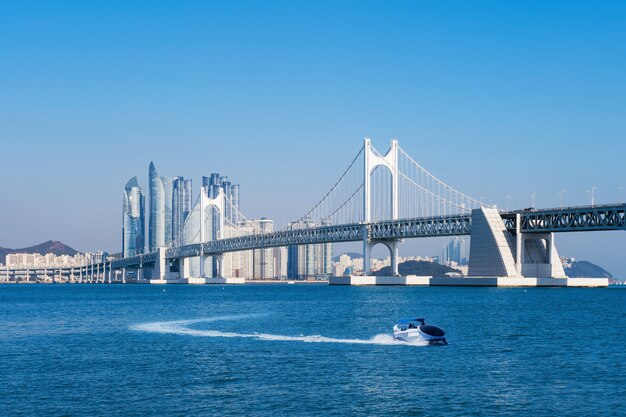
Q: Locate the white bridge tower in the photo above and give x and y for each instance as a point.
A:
(372, 160)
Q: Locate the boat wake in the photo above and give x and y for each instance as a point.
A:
(185, 327)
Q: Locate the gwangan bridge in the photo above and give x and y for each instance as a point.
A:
(380, 199)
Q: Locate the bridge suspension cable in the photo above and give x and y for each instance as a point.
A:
(399, 187)
(341, 203)
(421, 194)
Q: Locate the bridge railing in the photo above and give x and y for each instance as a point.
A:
(564, 208)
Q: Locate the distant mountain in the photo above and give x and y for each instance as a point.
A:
(421, 268)
(51, 246)
(584, 269)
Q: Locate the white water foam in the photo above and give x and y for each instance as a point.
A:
(183, 327)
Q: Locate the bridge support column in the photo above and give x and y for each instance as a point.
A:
(220, 265)
(161, 269)
(518, 243)
(183, 267)
(366, 252)
(391, 244)
(496, 252)
(393, 247)
(203, 259)
(540, 257)
(492, 246)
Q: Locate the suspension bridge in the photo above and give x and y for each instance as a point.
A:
(378, 199)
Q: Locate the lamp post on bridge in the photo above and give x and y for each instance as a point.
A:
(592, 193)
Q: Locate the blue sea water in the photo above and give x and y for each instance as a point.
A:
(139, 350)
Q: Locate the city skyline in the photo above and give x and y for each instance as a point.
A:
(523, 119)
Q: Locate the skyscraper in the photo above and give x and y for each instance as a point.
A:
(156, 229)
(307, 261)
(454, 251)
(168, 209)
(133, 219)
(263, 258)
(188, 200)
(235, 195)
(181, 206)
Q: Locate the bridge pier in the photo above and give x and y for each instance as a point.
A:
(183, 267)
(203, 260)
(220, 265)
(161, 273)
(391, 244)
(366, 252)
(496, 252)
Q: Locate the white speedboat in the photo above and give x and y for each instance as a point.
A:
(417, 331)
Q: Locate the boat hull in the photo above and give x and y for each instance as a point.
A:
(414, 335)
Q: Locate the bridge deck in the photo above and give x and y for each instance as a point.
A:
(570, 219)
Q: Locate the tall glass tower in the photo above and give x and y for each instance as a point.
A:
(169, 212)
(181, 206)
(188, 201)
(156, 229)
(133, 220)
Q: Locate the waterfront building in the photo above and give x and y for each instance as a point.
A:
(280, 257)
(454, 251)
(168, 195)
(178, 195)
(238, 264)
(347, 265)
(156, 229)
(309, 261)
(263, 258)
(234, 196)
(50, 260)
(133, 219)
(344, 264)
(187, 200)
(231, 191)
(181, 206)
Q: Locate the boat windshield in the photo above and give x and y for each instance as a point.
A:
(413, 321)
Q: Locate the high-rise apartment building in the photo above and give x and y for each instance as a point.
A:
(280, 256)
(133, 219)
(156, 229)
(264, 258)
(308, 261)
(169, 208)
(181, 206)
(171, 203)
(168, 188)
(455, 251)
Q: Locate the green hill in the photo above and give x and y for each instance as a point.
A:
(421, 268)
(585, 269)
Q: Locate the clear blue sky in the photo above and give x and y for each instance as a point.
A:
(495, 98)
